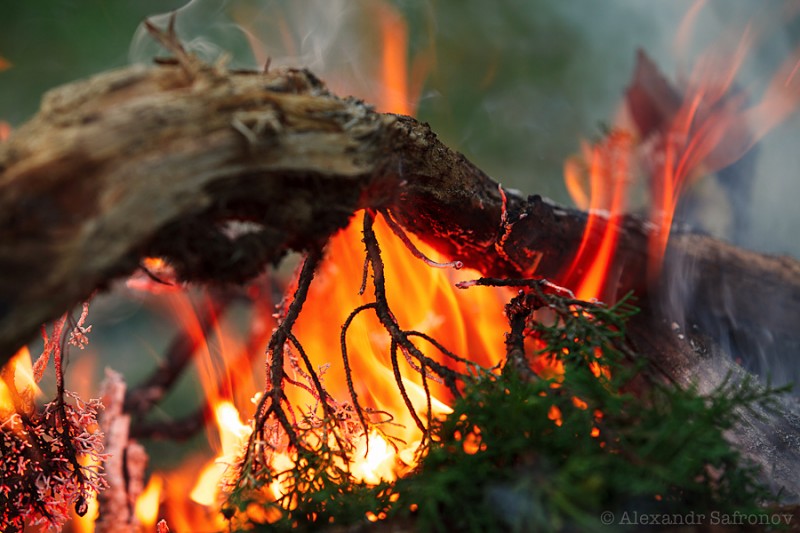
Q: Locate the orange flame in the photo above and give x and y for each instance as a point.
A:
(608, 177)
(711, 128)
(422, 298)
(147, 505)
(394, 74)
(20, 367)
(233, 435)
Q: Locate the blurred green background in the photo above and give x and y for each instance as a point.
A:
(515, 85)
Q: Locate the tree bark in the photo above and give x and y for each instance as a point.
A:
(157, 161)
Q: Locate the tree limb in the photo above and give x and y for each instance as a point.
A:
(159, 161)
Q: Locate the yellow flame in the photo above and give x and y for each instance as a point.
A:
(22, 368)
(378, 464)
(233, 436)
(146, 509)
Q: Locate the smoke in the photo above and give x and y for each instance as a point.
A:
(339, 40)
(749, 203)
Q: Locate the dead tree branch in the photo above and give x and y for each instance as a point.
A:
(222, 173)
(162, 161)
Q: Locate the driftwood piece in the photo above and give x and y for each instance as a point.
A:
(162, 160)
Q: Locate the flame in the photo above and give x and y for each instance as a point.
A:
(422, 298)
(376, 462)
(393, 66)
(608, 176)
(711, 128)
(362, 50)
(20, 367)
(224, 362)
(233, 435)
(148, 502)
(714, 128)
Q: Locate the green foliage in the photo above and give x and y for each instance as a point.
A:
(529, 454)
(661, 450)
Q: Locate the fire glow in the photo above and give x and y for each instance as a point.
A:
(468, 322)
(425, 299)
(710, 127)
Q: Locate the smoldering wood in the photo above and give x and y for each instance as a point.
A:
(223, 173)
(160, 161)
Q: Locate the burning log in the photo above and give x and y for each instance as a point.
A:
(224, 172)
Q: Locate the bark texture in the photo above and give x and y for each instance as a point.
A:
(170, 160)
(225, 172)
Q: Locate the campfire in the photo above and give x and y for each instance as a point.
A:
(382, 333)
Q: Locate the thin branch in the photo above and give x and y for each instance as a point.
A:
(271, 402)
(400, 385)
(347, 371)
(398, 231)
(385, 315)
(140, 399)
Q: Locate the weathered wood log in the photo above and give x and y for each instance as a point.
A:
(156, 161)
(159, 161)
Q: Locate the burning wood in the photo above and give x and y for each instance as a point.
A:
(225, 172)
(278, 150)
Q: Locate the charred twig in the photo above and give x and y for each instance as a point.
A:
(386, 317)
(272, 401)
(76, 337)
(142, 398)
(517, 282)
(402, 388)
(518, 311)
(347, 371)
(178, 430)
(397, 230)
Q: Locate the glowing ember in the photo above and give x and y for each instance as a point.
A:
(555, 415)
